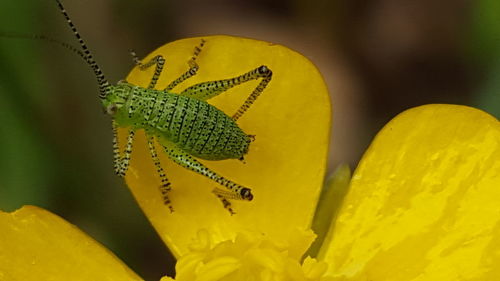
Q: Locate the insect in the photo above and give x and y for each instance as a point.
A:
(186, 126)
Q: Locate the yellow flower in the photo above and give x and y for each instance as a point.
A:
(284, 167)
(38, 245)
(422, 204)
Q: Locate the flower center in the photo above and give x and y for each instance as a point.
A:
(250, 257)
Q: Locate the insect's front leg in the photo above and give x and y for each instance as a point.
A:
(165, 183)
(193, 68)
(121, 163)
(158, 61)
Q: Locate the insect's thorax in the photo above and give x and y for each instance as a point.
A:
(193, 125)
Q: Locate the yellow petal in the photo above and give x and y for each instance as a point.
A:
(424, 203)
(284, 166)
(38, 245)
(217, 268)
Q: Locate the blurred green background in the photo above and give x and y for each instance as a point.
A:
(378, 59)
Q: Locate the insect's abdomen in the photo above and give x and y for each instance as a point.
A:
(198, 128)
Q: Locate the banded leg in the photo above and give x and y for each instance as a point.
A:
(234, 190)
(193, 68)
(224, 196)
(158, 60)
(266, 75)
(165, 183)
(121, 163)
(207, 90)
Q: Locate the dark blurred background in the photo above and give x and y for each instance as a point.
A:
(378, 58)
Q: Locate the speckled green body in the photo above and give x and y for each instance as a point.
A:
(195, 126)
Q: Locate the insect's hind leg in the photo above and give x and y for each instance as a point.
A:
(158, 61)
(193, 68)
(224, 196)
(226, 204)
(234, 190)
(165, 183)
(207, 90)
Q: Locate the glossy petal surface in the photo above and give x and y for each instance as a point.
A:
(285, 164)
(424, 203)
(38, 245)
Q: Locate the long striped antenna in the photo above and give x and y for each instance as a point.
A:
(17, 35)
(103, 83)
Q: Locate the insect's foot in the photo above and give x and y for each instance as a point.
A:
(166, 200)
(242, 159)
(251, 137)
(168, 204)
(226, 204)
(171, 209)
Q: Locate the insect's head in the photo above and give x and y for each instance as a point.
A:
(116, 97)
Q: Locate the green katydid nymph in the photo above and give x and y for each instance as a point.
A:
(184, 124)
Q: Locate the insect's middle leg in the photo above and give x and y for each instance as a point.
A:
(207, 90)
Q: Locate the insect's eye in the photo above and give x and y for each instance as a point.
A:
(246, 194)
(111, 109)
